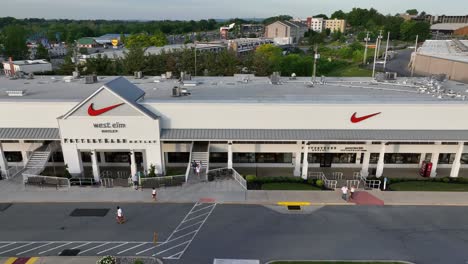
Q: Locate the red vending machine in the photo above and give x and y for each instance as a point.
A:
(425, 169)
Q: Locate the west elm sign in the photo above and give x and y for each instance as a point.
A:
(109, 127)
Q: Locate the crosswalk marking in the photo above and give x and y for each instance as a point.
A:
(15, 248)
(40, 253)
(34, 248)
(98, 246)
(128, 249)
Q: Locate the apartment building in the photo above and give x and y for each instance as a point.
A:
(286, 32)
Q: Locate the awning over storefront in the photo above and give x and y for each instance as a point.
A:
(314, 134)
(14, 133)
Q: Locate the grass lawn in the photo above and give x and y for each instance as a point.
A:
(429, 186)
(350, 71)
(334, 262)
(289, 186)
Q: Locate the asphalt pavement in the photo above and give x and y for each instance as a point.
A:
(200, 232)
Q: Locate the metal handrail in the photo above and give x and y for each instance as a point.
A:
(189, 165)
(60, 179)
(237, 176)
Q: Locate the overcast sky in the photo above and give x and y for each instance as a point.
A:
(202, 9)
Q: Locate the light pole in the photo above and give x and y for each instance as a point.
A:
(413, 65)
(380, 42)
(386, 51)
(316, 56)
(195, 51)
(375, 56)
(366, 39)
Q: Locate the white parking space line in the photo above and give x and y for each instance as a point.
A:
(112, 248)
(181, 236)
(172, 247)
(9, 250)
(34, 248)
(197, 223)
(195, 217)
(81, 245)
(201, 209)
(8, 244)
(179, 254)
(89, 249)
(128, 249)
(195, 205)
(40, 253)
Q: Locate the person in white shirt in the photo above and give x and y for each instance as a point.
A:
(135, 181)
(344, 191)
(120, 217)
(153, 193)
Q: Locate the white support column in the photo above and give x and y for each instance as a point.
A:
(94, 162)
(154, 157)
(358, 158)
(456, 163)
(380, 163)
(72, 157)
(435, 158)
(133, 166)
(305, 163)
(229, 162)
(297, 159)
(102, 154)
(3, 162)
(421, 159)
(365, 164)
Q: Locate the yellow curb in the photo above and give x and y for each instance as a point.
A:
(32, 260)
(11, 260)
(294, 203)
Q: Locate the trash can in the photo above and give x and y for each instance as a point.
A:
(373, 172)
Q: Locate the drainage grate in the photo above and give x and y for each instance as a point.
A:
(294, 207)
(4, 206)
(69, 252)
(90, 212)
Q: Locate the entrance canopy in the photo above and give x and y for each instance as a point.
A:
(314, 134)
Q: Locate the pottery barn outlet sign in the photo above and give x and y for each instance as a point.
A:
(336, 148)
(109, 127)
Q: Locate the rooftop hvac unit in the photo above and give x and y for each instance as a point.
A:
(169, 75)
(138, 75)
(176, 92)
(76, 74)
(91, 79)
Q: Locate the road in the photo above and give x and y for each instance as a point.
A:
(198, 233)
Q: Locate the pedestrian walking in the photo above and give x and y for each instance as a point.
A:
(120, 216)
(135, 181)
(194, 166)
(197, 170)
(351, 192)
(153, 193)
(344, 193)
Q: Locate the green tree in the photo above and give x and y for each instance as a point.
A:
(134, 60)
(15, 43)
(338, 15)
(122, 38)
(412, 12)
(409, 30)
(140, 40)
(158, 39)
(42, 52)
(321, 16)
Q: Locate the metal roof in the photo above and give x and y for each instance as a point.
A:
(29, 133)
(448, 26)
(313, 134)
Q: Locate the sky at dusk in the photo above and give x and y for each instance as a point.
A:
(203, 9)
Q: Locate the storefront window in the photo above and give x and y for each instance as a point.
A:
(344, 158)
(86, 156)
(446, 158)
(243, 157)
(273, 157)
(464, 158)
(402, 158)
(374, 158)
(56, 157)
(219, 157)
(178, 157)
(13, 156)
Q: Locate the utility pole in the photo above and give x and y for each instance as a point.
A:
(76, 74)
(364, 60)
(413, 65)
(375, 55)
(380, 42)
(386, 51)
(316, 56)
(195, 51)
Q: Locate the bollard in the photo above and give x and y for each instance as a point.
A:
(155, 238)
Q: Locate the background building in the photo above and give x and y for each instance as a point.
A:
(449, 57)
(286, 32)
(448, 30)
(315, 24)
(87, 42)
(335, 25)
(26, 66)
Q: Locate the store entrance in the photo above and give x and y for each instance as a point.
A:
(326, 160)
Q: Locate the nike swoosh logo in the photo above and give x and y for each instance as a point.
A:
(355, 119)
(96, 112)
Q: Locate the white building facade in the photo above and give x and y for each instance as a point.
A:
(245, 121)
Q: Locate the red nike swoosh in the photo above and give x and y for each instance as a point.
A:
(96, 112)
(355, 119)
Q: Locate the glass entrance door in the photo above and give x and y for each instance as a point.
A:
(326, 160)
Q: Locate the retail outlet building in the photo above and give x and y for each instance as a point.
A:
(240, 121)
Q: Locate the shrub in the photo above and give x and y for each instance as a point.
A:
(446, 179)
(152, 171)
(319, 183)
(311, 181)
(66, 173)
(138, 261)
(106, 260)
(250, 178)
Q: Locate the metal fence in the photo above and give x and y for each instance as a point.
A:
(227, 172)
(12, 172)
(164, 181)
(371, 184)
(45, 181)
(330, 184)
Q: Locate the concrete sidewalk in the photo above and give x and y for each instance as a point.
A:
(220, 192)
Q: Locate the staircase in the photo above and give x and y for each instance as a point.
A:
(200, 154)
(37, 160)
